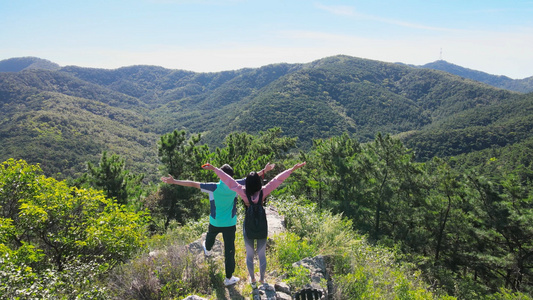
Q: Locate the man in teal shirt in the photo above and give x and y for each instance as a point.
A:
(222, 217)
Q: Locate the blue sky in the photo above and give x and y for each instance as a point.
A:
(209, 36)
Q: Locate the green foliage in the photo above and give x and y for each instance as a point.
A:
(463, 221)
(68, 222)
(467, 233)
(76, 281)
(53, 231)
(504, 82)
(112, 178)
(177, 234)
(18, 181)
(179, 155)
(26, 63)
(485, 127)
(62, 133)
(298, 277)
(173, 272)
(246, 152)
(504, 294)
(290, 248)
(375, 184)
(181, 158)
(505, 220)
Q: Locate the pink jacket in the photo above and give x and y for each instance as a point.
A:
(241, 189)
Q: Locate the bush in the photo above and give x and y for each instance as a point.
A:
(289, 248)
(75, 281)
(57, 240)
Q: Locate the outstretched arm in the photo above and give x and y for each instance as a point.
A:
(297, 166)
(278, 180)
(171, 180)
(267, 168)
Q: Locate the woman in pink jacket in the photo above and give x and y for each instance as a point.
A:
(251, 190)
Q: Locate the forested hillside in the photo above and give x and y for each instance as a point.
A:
(87, 111)
(62, 122)
(476, 129)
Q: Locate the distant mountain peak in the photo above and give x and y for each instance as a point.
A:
(457, 70)
(499, 81)
(18, 64)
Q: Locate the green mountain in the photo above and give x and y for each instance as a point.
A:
(27, 63)
(61, 122)
(65, 117)
(518, 85)
(501, 124)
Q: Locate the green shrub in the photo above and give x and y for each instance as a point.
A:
(57, 241)
(177, 235)
(290, 248)
(301, 217)
(298, 277)
(504, 294)
(75, 281)
(353, 286)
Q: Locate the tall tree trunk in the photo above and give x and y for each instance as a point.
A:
(441, 230)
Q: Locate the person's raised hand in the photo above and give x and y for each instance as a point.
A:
(168, 179)
(208, 166)
(298, 165)
(269, 167)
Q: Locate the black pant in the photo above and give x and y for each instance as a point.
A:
(228, 234)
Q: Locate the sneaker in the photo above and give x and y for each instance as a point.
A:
(254, 285)
(230, 281)
(206, 252)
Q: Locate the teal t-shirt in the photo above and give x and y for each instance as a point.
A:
(223, 202)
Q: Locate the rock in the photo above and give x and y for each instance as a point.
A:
(197, 248)
(317, 273)
(316, 267)
(194, 297)
(267, 291)
(282, 287)
(283, 296)
(157, 253)
(276, 223)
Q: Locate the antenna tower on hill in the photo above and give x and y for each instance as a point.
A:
(440, 56)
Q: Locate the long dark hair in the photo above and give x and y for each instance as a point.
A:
(253, 184)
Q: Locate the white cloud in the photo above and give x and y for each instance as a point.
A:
(351, 12)
(341, 10)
